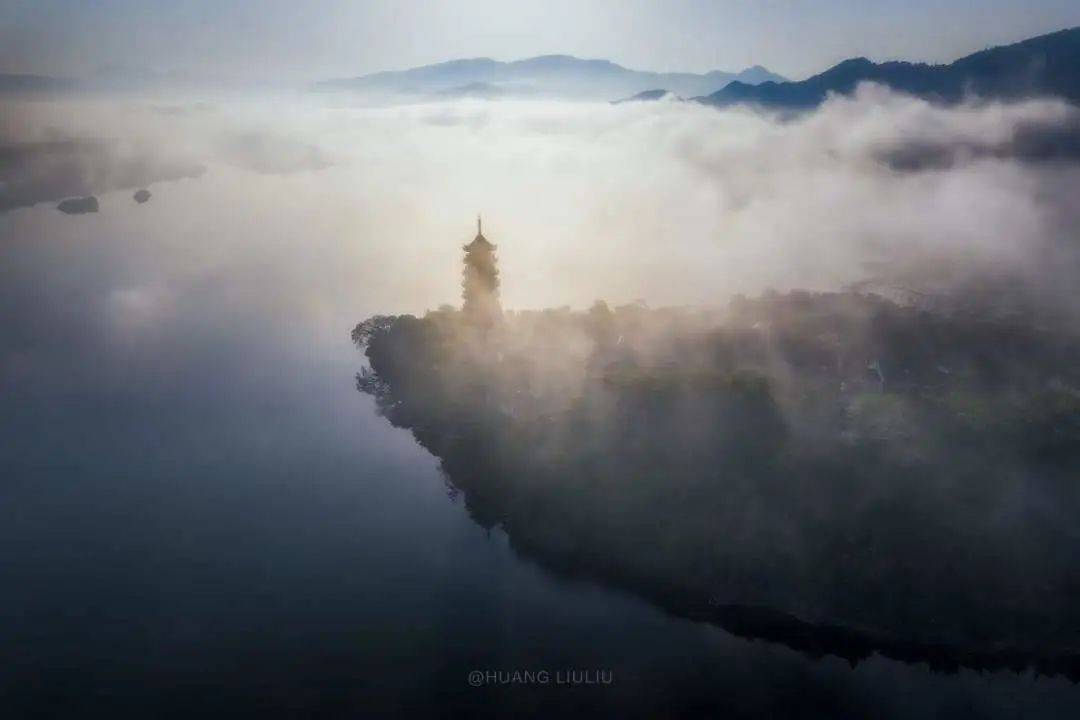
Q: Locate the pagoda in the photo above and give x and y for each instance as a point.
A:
(480, 280)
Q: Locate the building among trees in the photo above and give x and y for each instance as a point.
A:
(480, 281)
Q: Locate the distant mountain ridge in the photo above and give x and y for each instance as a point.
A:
(1048, 65)
(556, 75)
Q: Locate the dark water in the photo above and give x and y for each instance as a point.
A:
(201, 517)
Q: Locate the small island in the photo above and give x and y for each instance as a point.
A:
(843, 472)
(78, 205)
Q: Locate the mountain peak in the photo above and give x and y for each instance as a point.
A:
(644, 96)
(854, 62)
(1048, 65)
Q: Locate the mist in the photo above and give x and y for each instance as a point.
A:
(893, 409)
(668, 202)
(195, 472)
(539, 359)
(289, 220)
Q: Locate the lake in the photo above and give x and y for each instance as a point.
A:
(203, 517)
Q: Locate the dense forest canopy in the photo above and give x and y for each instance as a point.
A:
(841, 457)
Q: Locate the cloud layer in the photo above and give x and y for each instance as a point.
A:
(667, 202)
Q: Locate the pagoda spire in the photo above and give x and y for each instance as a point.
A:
(478, 230)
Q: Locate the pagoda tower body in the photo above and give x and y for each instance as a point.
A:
(480, 280)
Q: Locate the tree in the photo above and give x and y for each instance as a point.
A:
(376, 325)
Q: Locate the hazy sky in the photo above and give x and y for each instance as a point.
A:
(296, 41)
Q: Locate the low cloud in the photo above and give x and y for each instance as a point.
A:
(269, 154)
(33, 172)
(799, 451)
(1032, 141)
(670, 203)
